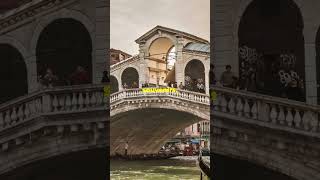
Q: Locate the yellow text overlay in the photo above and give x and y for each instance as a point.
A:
(106, 91)
(159, 90)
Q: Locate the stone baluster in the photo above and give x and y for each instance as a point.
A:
(314, 123)
(62, 102)
(246, 108)
(87, 100)
(223, 104)
(297, 119)
(80, 100)
(274, 114)
(26, 110)
(55, 103)
(254, 110)
(68, 102)
(46, 105)
(289, 117)
(7, 118)
(32, 107)
(99, 96)
(93, 99)
(38, 105)
(74, 101)
(20, 113)
(2, 123)
(231, 105)
(239, 107)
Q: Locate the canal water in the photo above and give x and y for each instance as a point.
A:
(169, 169)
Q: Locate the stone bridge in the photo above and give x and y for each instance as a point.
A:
(51, 123)
(148, 120)
(275, 133)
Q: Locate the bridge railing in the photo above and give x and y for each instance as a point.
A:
(180, 94)
(124, 62)
(268, 109)
(52, 101)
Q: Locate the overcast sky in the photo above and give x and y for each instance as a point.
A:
(129, 19)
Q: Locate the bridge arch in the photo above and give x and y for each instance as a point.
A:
(194, 71)
(67, 14)
(13, 73)
(114, 83)
(318, 62)
(270, 36)
(129, 75)
(63, 45)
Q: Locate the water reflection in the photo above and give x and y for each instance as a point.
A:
(170, 169)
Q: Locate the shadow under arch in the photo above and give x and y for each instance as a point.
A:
(114, 84)
(271, 37)
(63, 45)
(194, 72)
(13, 73)
(130, 76)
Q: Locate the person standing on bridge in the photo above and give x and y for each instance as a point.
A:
(227, 77)
(126, 146)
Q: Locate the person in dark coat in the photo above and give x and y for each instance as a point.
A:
(105, 78)
(80, 76)
(293, 91)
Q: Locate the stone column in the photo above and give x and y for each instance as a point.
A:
(310, 73)
(31, 64)
(206, 75)
(100, 54)
(143, 65)
(224, 38)
(179, 65)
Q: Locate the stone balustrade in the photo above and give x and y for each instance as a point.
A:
(258, 108)
(123, 63)
(52, 101)
(179, 94)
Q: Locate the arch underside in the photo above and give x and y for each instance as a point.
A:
(264, 157)
(146, 130)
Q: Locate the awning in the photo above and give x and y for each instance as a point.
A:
(171, 76)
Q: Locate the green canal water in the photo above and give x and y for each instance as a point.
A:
(170, 169)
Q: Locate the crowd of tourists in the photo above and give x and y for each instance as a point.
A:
(78, 77)
(292, 90)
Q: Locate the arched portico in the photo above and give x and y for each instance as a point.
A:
(63, 46)
(271, 37)
(130, 77)
(194, 73)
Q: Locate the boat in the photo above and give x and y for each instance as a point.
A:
(203, 162)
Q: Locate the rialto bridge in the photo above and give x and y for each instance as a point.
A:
(147, 120)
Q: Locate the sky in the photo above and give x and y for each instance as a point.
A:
(130, 19)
